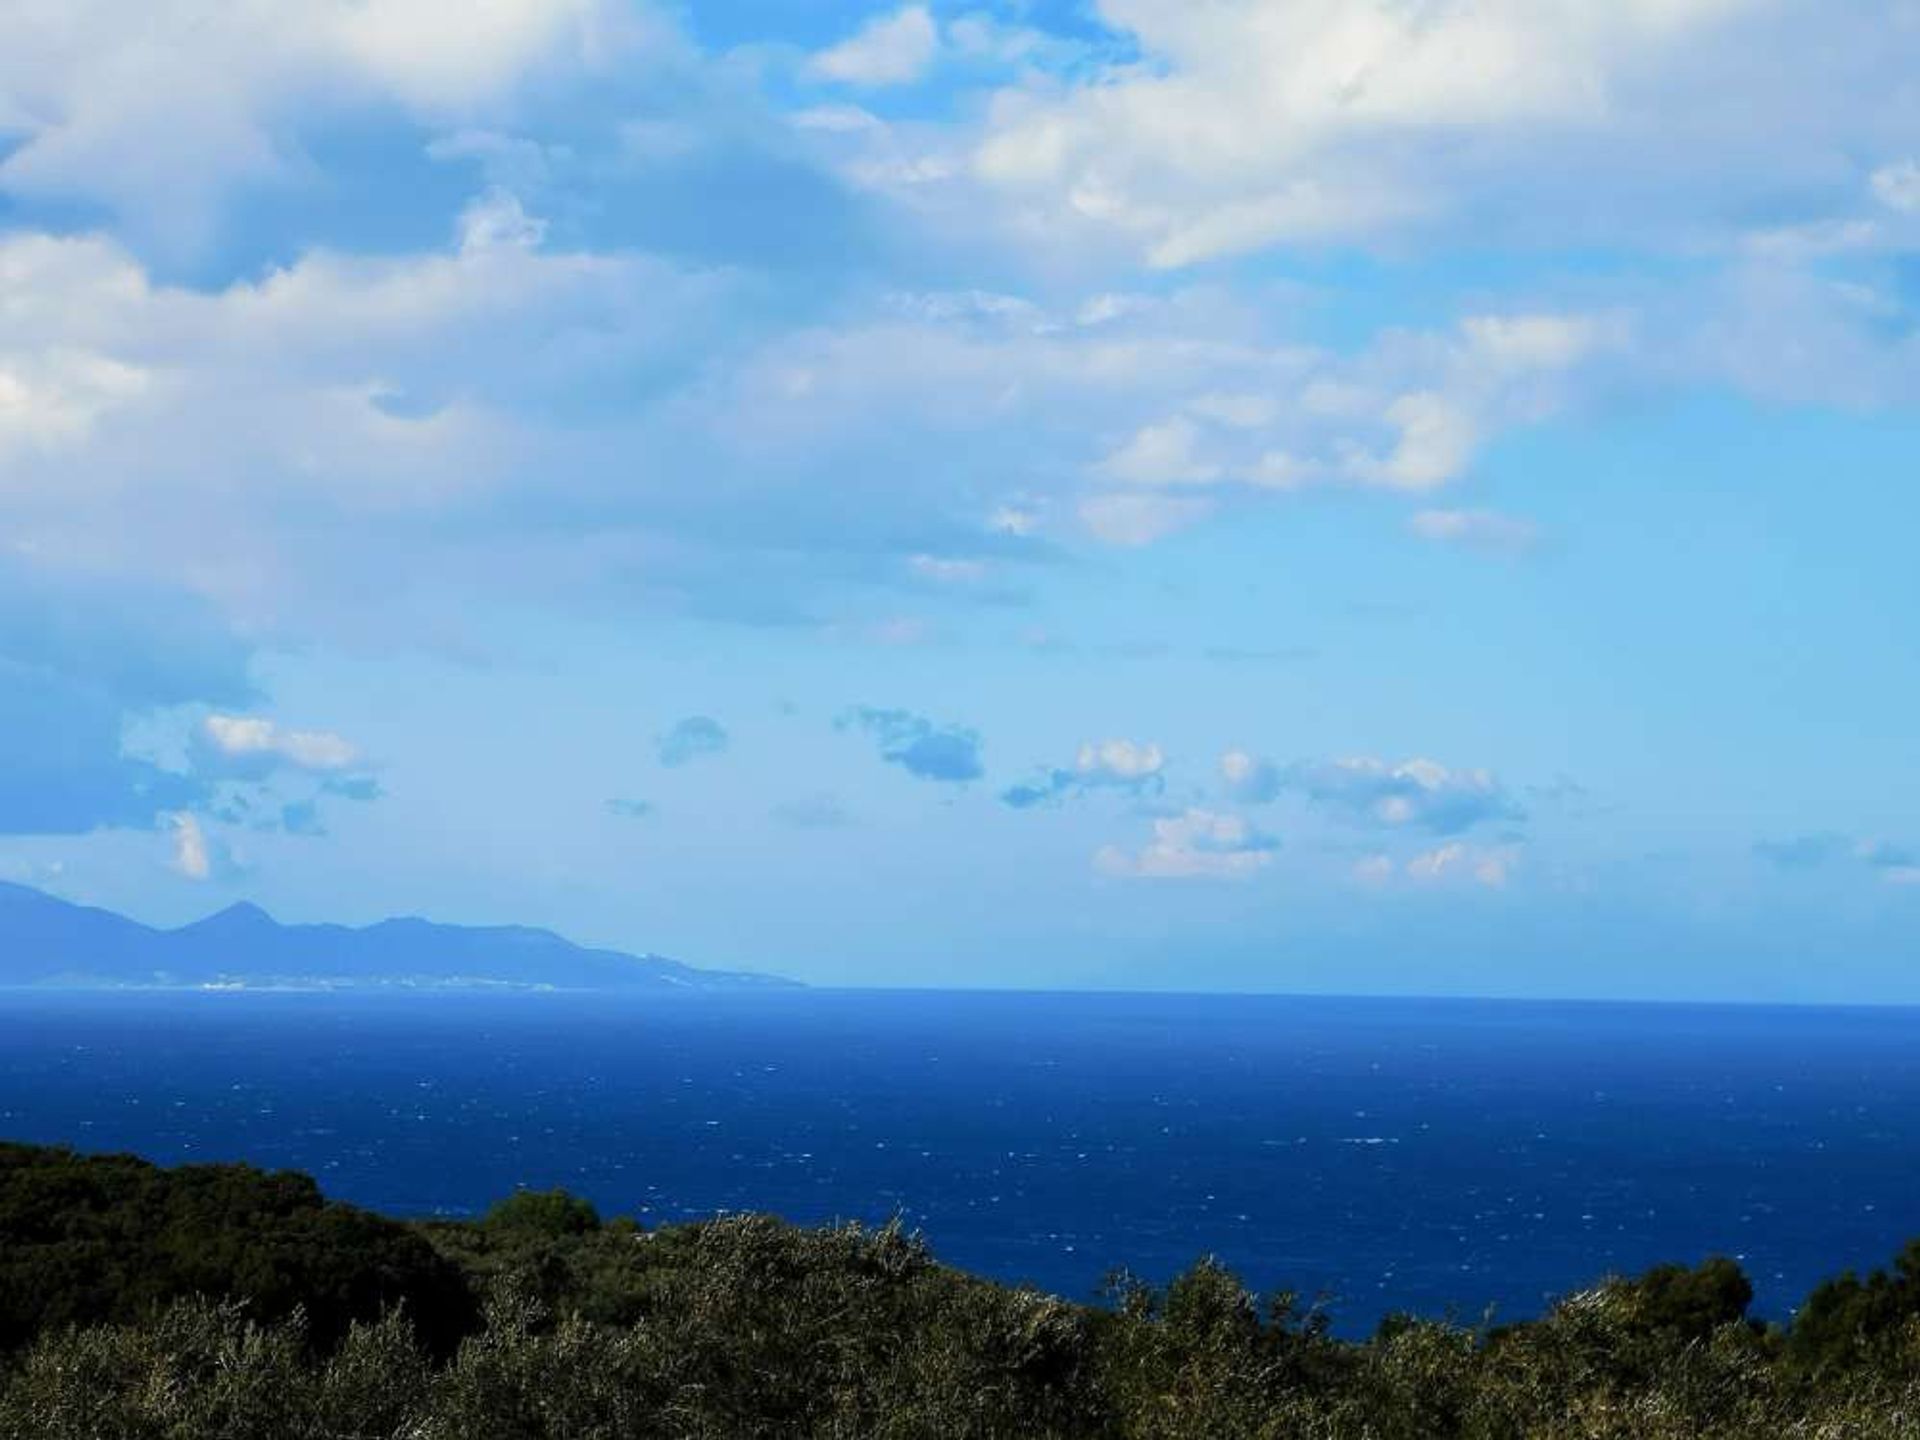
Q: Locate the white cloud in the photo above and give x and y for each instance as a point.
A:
(1533, 342)
(1162, 454)
(1239, 412)
(1197, 844)
(894, 49)
(1121, 762)
(1417, 794)
(1231, 406)
(1476, 529)
(436, 394)
(192, 855)
(342, 388)
(1102, 308)
(979, 36)
(1897, 186)
(410, 47)
(1014, 519)
(157, 116)
(1410, 415)
(1131, 521)
(1249, 779)
(52, 399)
(254, 738)
(1125, 765)
(1799, 244)
(1436, 439)
(497, 220)
(1241, 124)
(1459, 861)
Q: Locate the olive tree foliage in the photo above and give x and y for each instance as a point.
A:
(204, 1369)
(546, 1323)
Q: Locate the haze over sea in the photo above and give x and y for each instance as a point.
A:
(1394, 1154)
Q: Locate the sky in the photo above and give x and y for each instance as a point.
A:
(1359, 496)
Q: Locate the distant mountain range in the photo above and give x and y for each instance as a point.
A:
(51, 943)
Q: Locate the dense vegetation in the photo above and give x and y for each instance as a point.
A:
(114, 1238)
(225, 1302)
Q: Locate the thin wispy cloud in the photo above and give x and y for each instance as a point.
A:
(698, 737)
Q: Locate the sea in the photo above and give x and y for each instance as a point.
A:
(1463, 1158)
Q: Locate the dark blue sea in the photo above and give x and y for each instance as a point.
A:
(1415, 1155)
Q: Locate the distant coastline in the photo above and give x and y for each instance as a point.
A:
(47, 943)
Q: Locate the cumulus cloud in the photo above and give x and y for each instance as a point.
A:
(195, 853)
(247, 764)
(891, 49)
(159, 119)
(694, 738)
(344, 389)
(1195, 844)
(254, 744)
(1137, 769)
(435, 394)
(1411, 416)
(946, 754)
(1249, 779)
(1250, 123)
(1162, 454)
(441, 388)
(190, 854)
(1413, 794)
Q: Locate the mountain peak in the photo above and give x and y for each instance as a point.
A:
(241, 915)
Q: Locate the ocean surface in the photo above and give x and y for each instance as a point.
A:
(1389, 1155)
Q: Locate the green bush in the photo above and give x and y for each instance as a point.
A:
(1691, 1304)
(221, 1302)
(1850, 1320)
(553, 1213)
(112, 1239)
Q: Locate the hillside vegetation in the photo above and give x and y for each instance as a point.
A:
(221, 1301)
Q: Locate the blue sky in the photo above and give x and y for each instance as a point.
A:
(1322, 495)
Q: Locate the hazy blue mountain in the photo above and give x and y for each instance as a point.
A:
(46, 941)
